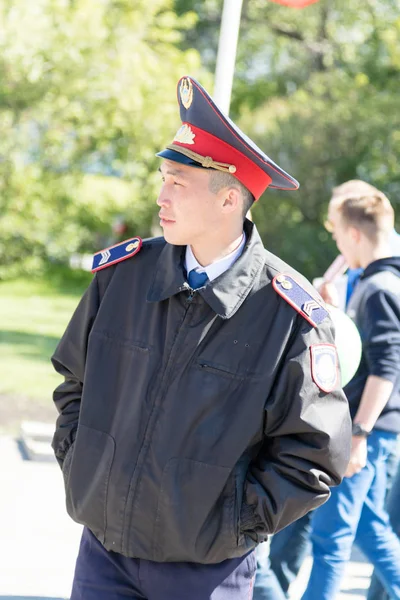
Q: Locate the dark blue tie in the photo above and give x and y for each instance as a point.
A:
(197, 280)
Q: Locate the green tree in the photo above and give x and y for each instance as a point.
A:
(317, 89)
(87, 96)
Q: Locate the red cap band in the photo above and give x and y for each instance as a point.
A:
(247, 172)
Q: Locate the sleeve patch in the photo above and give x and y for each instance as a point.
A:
(310, 307)
(324, 366)
(115, 254)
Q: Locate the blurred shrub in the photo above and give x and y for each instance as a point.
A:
(317, 89)
(87, 96)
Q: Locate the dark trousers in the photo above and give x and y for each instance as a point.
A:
(103, 575)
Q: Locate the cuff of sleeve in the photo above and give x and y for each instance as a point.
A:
(248, 519)
(61, 449)
(251, 525)
(388, 374)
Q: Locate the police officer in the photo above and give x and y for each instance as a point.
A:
(201, 408)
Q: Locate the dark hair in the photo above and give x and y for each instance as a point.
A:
(220, 179)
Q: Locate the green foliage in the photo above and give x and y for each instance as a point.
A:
(338, 120)
(34, 316)
(323, 142)
(87, 96)
(317, 89)
(83, 89)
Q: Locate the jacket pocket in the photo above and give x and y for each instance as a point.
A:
(87, 477)
(196, 519)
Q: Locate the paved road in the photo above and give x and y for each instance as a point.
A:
(39, 542)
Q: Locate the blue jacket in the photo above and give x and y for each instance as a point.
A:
(375, 308)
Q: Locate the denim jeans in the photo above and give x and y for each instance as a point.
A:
(356, 506)
(266, 586)
(277, 569)
(289, 548)
(376, 590)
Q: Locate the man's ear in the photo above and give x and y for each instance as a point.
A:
(231, 199)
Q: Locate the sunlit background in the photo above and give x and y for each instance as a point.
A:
(88, 96)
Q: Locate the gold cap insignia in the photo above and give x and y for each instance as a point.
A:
(131, 246)
(184, 135)
(186, 92)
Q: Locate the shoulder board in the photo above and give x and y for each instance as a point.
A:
(115, 254)
(310, 307)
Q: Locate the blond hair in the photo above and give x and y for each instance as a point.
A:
(354, 187)
(365, 207)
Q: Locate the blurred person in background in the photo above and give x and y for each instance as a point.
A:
(362, 226)
(376, 589)
(201, 408)
(354, 187)
(278, 568)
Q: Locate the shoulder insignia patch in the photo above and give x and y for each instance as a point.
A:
(310, 307)
(115, 254)
(324, 366)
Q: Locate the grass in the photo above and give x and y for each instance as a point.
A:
(33, 316)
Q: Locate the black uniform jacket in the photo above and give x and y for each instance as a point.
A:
(190, 427)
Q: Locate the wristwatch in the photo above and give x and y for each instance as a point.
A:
(359, 431)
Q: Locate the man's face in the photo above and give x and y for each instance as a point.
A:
(345, 237)
(189, 211)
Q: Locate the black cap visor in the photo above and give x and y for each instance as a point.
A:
(178, 157)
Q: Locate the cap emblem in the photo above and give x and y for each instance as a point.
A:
(184, 135)
(186, 92)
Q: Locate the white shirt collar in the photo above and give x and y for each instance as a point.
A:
(216, 268)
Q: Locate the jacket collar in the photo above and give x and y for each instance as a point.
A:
(227, 292)
(391, 263)
(216, 268)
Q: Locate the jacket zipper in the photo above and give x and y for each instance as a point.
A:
(186, 287)
(135, 480)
